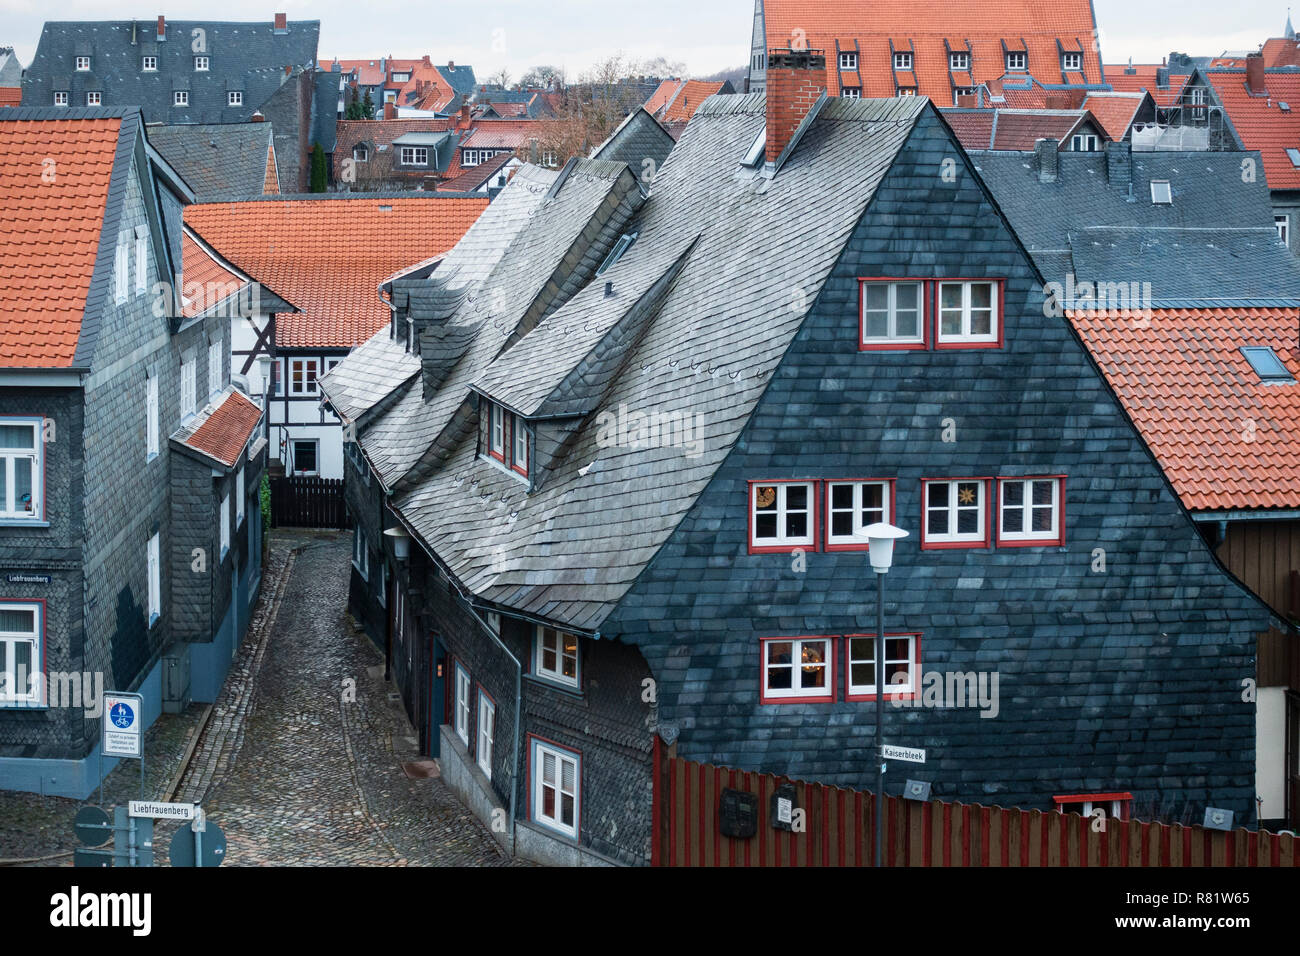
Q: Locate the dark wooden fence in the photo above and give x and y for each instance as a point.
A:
(306, 502)
(839, 830)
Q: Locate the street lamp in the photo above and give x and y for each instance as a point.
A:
(881, 538)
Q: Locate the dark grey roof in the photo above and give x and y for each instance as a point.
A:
(220, 162)
(1213, 244)
(11, 71)
(460, 78)
(373, 371)
(325, 111)
(638, 138)
(249, 57)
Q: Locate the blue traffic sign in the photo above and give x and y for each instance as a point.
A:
(122, 715)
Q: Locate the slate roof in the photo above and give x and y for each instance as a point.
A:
(250, 57)
(11, 71)
(707, 338)
(373, 370)
(324, 111)
(328, 256)
(1260, 122)
(221, 428)
(1226, 440)
(1135, 78)
(220, 162)
(1213, 245)
(460, 77)
(639, 137)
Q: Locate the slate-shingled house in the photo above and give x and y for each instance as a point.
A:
(631, 438)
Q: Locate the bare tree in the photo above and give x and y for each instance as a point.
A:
(501, 78)
(544, 77)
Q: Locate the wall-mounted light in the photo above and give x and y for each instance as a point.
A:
(401, 542)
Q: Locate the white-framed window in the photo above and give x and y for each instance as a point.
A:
(141, 264)
(21, 644)
(494, 622)
(303, 373)
(94, 98)
(61, 98)
(234, 97)
(225, 523)
(415, 156)
(180, 97)
(852, 506)
(151, 417)
(900, 664)
(1017, 61)
(848, 61)
(904, 91)
(360, 553)
(487, 726)
(469, 157)
(1282, 223)
(306, 456)
(954, 512)
(496, 431)
(893, 313)
(518, 445)
(22, 468)
(189, 385)
(149, 64)
(902, 61)
(153, 561)
(781, 514)
(239, 495)
(460, 712)
(83, 64)
(1071, 61)
(121, 272)
(959, 92)
(556, 782)
(1029, 510)
(557, 656)
(797, 668)
(1162, 193)
(361, 154)
(1083, 143)
(201, 64)
(959, 61)
(851, 92)
(968, 312)
(550, 159)
(401, 77)
(215, 364)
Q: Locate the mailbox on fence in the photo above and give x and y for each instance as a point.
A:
(738, 814)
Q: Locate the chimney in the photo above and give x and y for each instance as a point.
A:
(795, 81)
(1255, 75)
(162, 27)
(425, 61)
(968, 101)
(464, 114)
(390, 110)
(1045, 159)
(1056, 101)
(257, 117)
(1119, 164)
(282, 23)
(1162, 78)
(451, 66)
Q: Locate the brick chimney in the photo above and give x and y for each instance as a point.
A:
(1255, 75)
(1045, 159)
(257, 117)
(967, 100)
(162, 27)
(390, 110)
(282, 23)
(1119, 164)
(795, 80)
(464, 115)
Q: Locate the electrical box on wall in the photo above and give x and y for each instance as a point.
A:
(738, 814)
(783, 807)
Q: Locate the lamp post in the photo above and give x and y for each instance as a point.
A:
(881, 538)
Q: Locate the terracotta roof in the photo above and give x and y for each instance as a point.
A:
(1016, 130)
(502, 134)
(1279, 51)
(974, 128)
(1261, 122)
(688, 100)
(49, 232)
(200, 270)
(873, 23)
(1114, 111)
(662, 96)
(11, 95)
(224, 430)
(474, 177)
(328, 256)
(271, 187)
(1225, 439)
(379, 132)
(1142, 78)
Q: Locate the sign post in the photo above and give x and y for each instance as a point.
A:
(907, 754)
(123, 732)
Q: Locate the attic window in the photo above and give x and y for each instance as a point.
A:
(1161, 193)
(1016, 61)
(623, 245)
(959, 61)
(902, 61)
(1294, 156)
(1284, 106)
(756, 149)
(1071, 61)
(1267, 365)
(848, 61)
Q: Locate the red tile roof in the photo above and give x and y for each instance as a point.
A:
(688, 100)
(328, 256)
(1142, 78)
(1279, 51)
(1261, 122)
(974, 128)
(1224, 439)
(1114, 111)
(11, 96)
(271, 184)
(1015, 129)
(873, 23)
(378, 132)
(662, 96)
(205, 282)
(474, 177)
(502, 133)
(54, 178)
(227, 429)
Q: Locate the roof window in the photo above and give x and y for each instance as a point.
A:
(623, 245)
(756, 150)
(1161, 192)
(1267, 365)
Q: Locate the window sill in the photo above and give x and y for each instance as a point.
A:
(23, 523)
(569, 689)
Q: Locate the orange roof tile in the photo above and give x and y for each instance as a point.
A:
(873, 23)
(271, 185)
(11, 96)
(227, 429)
(501, 134)
(694, 93)
(205, 282)
(1261, 122)
(1114, 111)
(1224, 439)
(54, 179)
(1142, 78)
(328, 256)
(662, 96)
(1279, 51)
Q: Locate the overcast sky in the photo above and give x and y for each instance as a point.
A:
(707, 35)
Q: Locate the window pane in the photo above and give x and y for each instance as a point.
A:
(17, 436)
(566, 811)
(877, 325)
(936, 494)
(813, 652)
(863, 674)
(897, 673)
(873, 498)
(981, 323)
(548, 802)
(765, 526)
(814, 677)
(549, 660)
(1013, 493)
(780, 678)
(17, 621)
(23, 484)
(905, 297)
(968, 521)
(908, 324)
(981, 295)
(896, 649)
(841, 496)
(796, 525)
(936, 521)
(950, 296)
(796, 497)
(780, 652)
(1013, 520)
(877, 297)
(841, 523)
(568, 768)
(1043, 492)
(765, 498)
(548, 769)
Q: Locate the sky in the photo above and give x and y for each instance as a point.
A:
(706, 35)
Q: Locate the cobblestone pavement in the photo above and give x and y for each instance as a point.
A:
(295, 774)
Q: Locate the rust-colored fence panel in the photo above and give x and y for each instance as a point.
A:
(835, 827)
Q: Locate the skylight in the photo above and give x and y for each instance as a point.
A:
(1294, 156)
(1267, 365)
(1161, 193)
(757, 150)
(624, 243)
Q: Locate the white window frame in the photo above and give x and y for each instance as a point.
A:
(215, 369)
(94, 98)
(151, 437)
(1017, 62)
(234, 97)
(148, 64)
(496, 431)
(224, 521)
(1282, 223)
(315, 443)
(361, 154)
(559, 757)
(83, 64)
(783, 512)
(360, 553)
(518, 445)
(180, 97)
(308, 388)
(906, 91)
(61, 98)
(855, 510)
(967, 313)
(848, 62)
(121, 272)
(35, 454)
(851, 92)
(892, 310)
(1163, 196)
(9, 641)
(460, 709)
(1027, 509)
(189, 386)
(953, 508)
(903, 61)
(202, 64)
(1083, 142)
(797, 667)
(415, 156)
(153, 562)
(891, 689)
(240, 496)
(556, 675)
(470, 157)
(1071, 62)
(486, 732)
(958, 61)
(141, 264)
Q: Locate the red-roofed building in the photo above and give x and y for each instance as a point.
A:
(1163, 83)
(1118, 113)
(395, 154)
(1020, 130)
(895, 48)
(661, 97)
(327, 257)
(688, 98)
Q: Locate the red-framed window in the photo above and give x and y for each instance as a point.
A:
(892, 314)
(853, 504)
(796, 670)
(968, 313)
(782, 516)
(1116, 805)
(506, 439)
(902, 665)
(496, 431)
(900, 313)
(1031, 511)
(955, 513)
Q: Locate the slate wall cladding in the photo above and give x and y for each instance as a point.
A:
(365, 504)
(1129, 679)
(194, 527)
(288, 110)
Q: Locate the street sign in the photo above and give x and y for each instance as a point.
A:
(123, 725)
(92, 826)
(99, 858)
(908, 754)
(163, 811)
(192, 847)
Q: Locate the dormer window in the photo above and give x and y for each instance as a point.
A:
(401, 77)
(959, 61)
(959, 91)
(907, 91)
(94, 99)
(902, 61)
(415, 156)
(851, 92)
(1267, 365)
(200, 64)
(361, 154)
(61, 99)
(506, 439)
(1071, 61)
(848, 62)
(149, 64)
(624, 243)
(83, 64)
(1017, 62)
(235, 98)
(1083, 143)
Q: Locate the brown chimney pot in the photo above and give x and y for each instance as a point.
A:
(1255, 74)
(390, 110)
(282, 21)
(162, 26)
